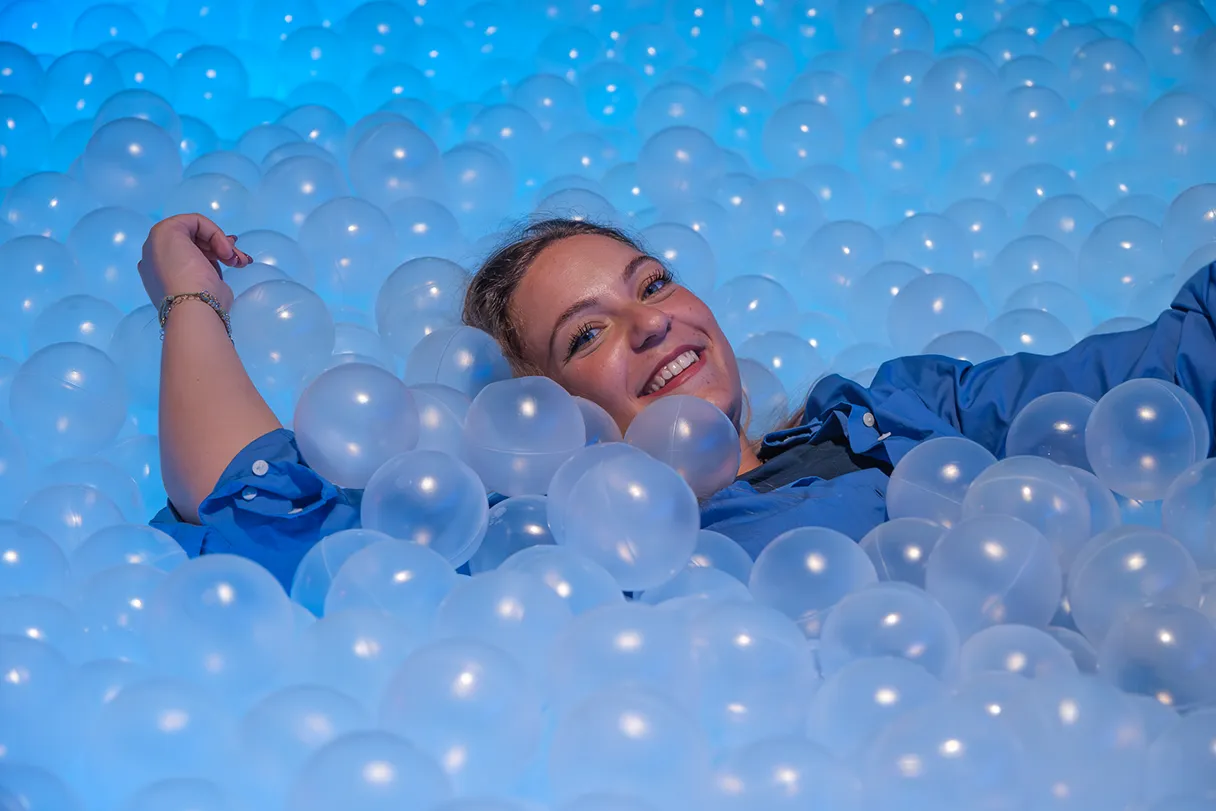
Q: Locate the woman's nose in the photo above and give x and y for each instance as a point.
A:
(650, 326)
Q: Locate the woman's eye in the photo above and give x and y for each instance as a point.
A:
(582, 338)
(656, 285)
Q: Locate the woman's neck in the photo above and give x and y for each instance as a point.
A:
(748, 460)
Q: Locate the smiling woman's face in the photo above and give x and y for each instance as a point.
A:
(608, 323)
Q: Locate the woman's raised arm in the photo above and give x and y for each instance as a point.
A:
(209, 408)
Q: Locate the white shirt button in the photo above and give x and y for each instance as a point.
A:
(260, 467)
(249, 494)
(868, 419)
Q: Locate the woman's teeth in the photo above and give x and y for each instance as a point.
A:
(671, 370)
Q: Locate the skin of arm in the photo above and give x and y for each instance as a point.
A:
(209, 408)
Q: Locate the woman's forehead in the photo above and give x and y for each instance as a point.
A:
(567, 269)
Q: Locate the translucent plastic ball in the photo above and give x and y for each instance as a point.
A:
(137, 747)
(1124, 568)
(393, 161)
(132, 162)
(420, 297)
(717, 551)
(1180, 760)
(513, 524)
(696, 583)
(369, 769)
(441, 412)
(125, 544)
(77, 84)
(464, 358)
(113, 604)
(864, 697)
(785, 772)
(995, 569)
(48, 620)
(577, 579)
(931, 480)
(319, 566)
(765, 401)
(31, 562)
(223, 620)
(1187, 512)
(868, 298)
(1189, 224)
(279, 251)
(400, 577)
(792, 359)
(40, 272)
(357, 650)
(28, 786)
(631, 741)
(947, 744)
(599, 425)
(1103, 507)
(46, 203)
(801, 134)
(1084, 739)
(518, 432)
(1030, 330)
(479, 181)
(352, 419)
(630, 513)
(1119, 254)
(1164, 651)
(889, 619)
(693, 437)
(1037, 491)
(959, 95)
(79, 319)
(749, 305)
(755, 673)
(618, 643)
(283, 331)
(508, 610)
(933, 305)
(285, 728)
(678, 164)
(470, 698)
(1142, 435)
(1030, 260)
(68, 399)
(806, 571)
(900, 548)
(686, 252)
(294, 188)
(351, 244)
(1016, 649)
(425, 228)
(106, 243)
(26, 142)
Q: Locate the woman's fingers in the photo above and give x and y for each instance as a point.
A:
(214, 243)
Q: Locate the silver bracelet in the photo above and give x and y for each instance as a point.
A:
(211, 301)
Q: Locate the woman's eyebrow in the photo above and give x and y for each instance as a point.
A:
(584, 303)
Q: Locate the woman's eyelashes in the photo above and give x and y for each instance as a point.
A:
(585, 334)
(656, 282)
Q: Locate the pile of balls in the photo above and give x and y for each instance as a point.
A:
(842, 182)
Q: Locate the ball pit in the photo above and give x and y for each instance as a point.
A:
(531, 617)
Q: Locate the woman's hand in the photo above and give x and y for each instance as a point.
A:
(182, 254)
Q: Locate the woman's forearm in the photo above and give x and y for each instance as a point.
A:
(209, 408)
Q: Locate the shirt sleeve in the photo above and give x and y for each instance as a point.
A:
(267, 506)
(979, 401)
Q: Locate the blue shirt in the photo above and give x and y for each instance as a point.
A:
(269, 506)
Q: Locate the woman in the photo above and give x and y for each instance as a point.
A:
(585, 306)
